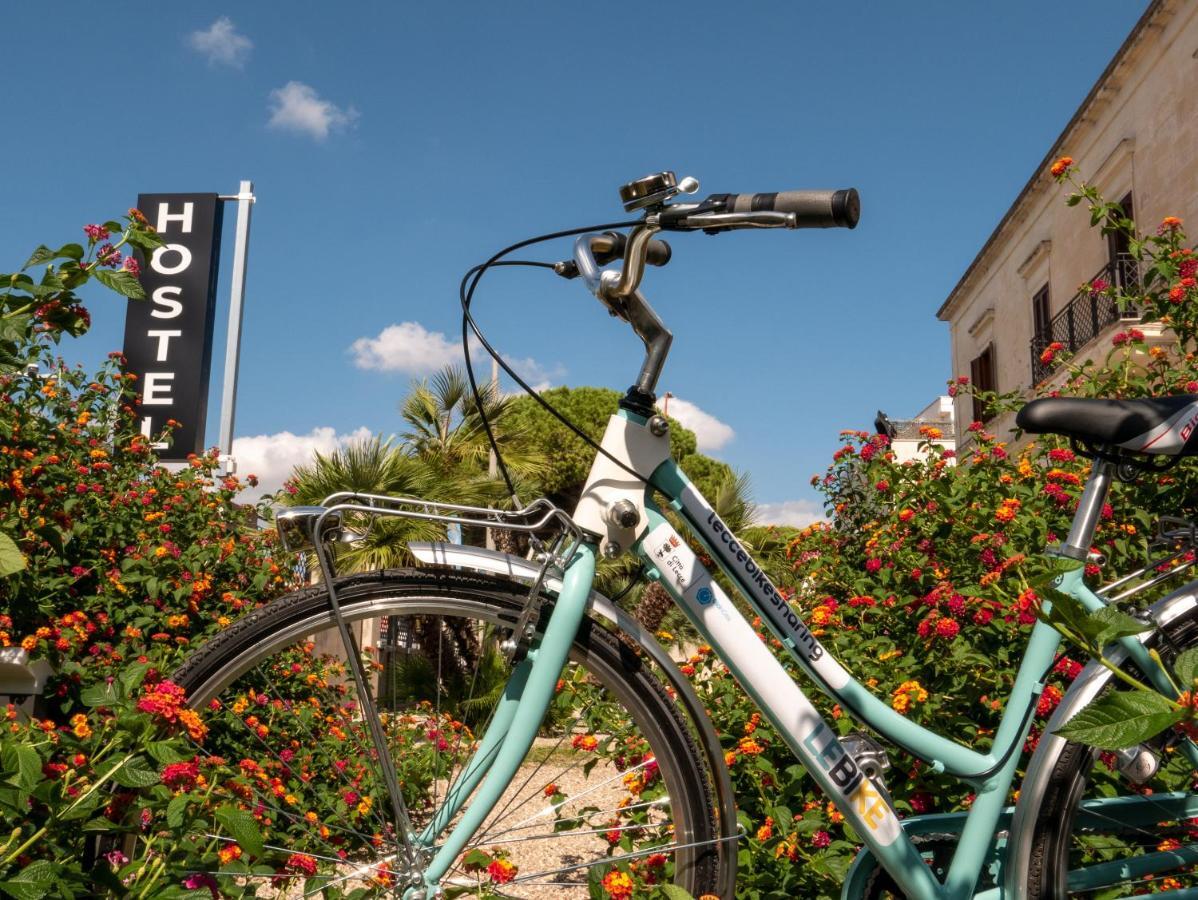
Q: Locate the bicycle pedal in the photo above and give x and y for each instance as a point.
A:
(870, 756)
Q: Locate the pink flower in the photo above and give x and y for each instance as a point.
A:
(821, 839)
(108, 255)
(1098, 285)
(95, 232)
(132, 266)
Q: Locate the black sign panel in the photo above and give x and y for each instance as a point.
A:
(168, 336)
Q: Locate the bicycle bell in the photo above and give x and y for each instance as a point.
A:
(655, 190)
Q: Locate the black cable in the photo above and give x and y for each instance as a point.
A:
(466, 296)
(631, 584)
(470, 370)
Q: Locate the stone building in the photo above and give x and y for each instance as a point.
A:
(1135, 137)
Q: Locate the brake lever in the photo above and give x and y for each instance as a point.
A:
(720, 221)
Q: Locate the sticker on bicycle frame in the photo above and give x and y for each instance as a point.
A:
(872, 811)
(749, 574)
(682, 572)
(679, 565)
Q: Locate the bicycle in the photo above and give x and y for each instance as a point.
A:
(427, 792)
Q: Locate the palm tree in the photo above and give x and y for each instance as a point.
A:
(445, 426)
(376, 466)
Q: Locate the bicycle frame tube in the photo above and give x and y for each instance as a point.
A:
(531, 694)
(811, 739)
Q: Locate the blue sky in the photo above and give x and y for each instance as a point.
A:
(394, 145)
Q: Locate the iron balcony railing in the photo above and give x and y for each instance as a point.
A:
(909, 429)
(1085, 316)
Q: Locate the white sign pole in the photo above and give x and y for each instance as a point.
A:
(228, 406)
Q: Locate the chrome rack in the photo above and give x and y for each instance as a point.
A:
(315, 528)
(1172, 551)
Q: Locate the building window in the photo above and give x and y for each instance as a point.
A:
(1123, 267)
(984, 378)
(1041, 320)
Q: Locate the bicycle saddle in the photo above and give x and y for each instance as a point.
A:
(1164, 425)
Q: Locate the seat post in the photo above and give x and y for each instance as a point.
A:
(1089, 510)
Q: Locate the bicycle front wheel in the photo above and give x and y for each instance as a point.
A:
(1100, 833)
(613, 798)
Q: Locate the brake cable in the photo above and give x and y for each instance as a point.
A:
(466, 295)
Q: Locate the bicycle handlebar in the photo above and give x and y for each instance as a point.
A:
(610, 246)
(811, 209)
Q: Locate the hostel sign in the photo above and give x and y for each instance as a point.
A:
(168, 336)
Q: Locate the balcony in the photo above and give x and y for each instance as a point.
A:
(1085, 316)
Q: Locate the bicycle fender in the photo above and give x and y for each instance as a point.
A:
(1092, 679)
(516, 568)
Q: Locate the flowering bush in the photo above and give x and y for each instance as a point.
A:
(111, 567)
(923, 579)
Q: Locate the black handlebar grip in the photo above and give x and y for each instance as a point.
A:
(610, 245)
(812, 209)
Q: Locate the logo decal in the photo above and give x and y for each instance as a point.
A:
(726, 546)
(704, 596)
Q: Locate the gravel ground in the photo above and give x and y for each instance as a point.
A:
(523, 811)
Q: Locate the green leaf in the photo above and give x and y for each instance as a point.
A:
(131, 677)
(99, 695)
(1122, 719)
(42, 254)
(12, 560)
(32, 882)
(673, 892)
(146, 240)
(25, 764)
(175, 810)
(69, 251)
(1186, 668)
(1116, 624)
(122, 282)
(476, 859)
(164, 752)
(242, 827)
(136, 773)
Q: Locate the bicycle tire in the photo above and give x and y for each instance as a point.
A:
(219, 670)
(1059, 843)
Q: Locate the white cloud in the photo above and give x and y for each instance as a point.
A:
(297, 107)
(799, 513)
(222, 44)
(407, 347)
(539, 377)
(710, 432)
(272, 457)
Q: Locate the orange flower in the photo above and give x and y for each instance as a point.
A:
(618, 885)
(1170, 223)
(229, 853)
(1061, 166)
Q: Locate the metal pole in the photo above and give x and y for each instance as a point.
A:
(228, 406)
(493, 463)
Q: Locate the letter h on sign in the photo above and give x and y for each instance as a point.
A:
(168, 336)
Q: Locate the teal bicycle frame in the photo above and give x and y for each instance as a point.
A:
(813, 741)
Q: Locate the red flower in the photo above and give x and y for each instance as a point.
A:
(948, 628)
(302, 862)
(95, 232)
(821, 839)
(181, 776)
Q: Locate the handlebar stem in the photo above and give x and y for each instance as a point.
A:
(634, 260)
(619, 292)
